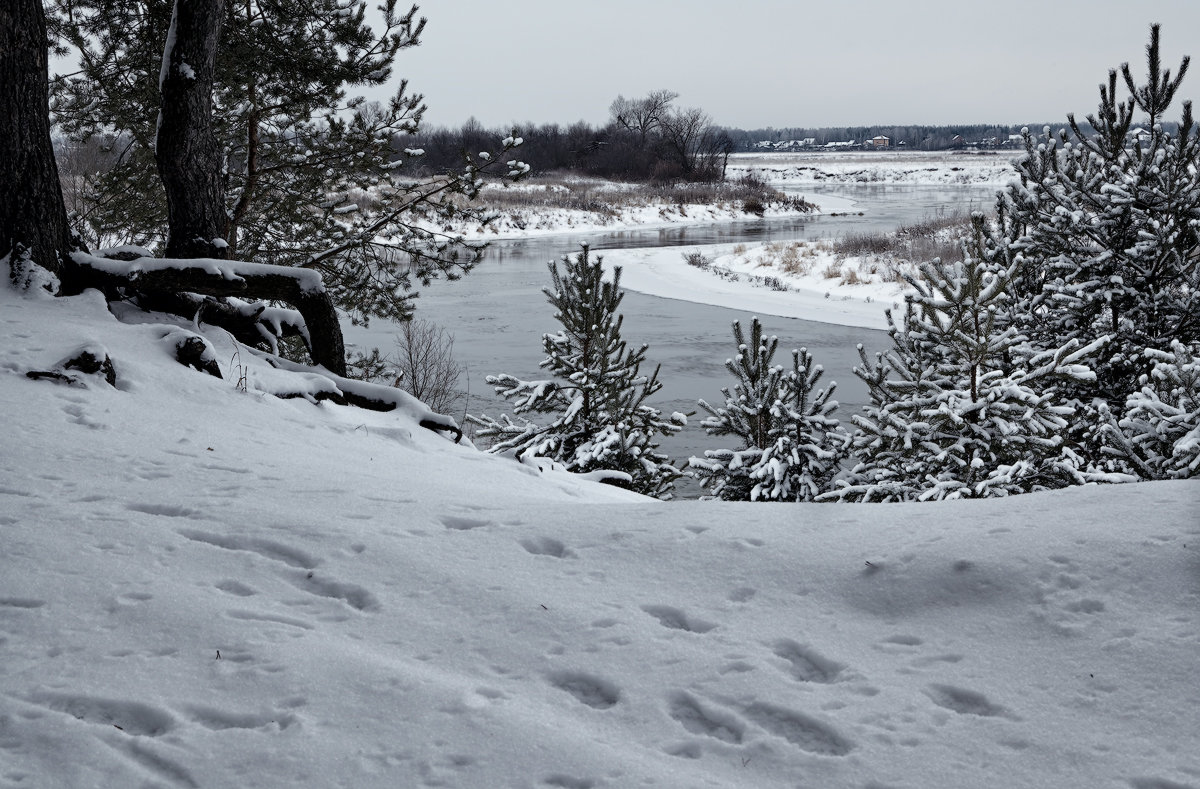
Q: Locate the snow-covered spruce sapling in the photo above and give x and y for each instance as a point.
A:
(594, 408)
(1105, 220)
(791, 445)
(1158, 436)
(960, 406)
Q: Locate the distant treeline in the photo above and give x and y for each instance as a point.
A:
(616, 151)
(649, 139)
(921, 138)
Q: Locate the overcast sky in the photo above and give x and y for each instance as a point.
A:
(780, 63)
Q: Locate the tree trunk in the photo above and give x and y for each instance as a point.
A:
(189, 158)
(33, 220)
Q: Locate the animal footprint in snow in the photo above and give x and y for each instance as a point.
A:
(351, 594)
(806, 664)
(560, 781)
(21, 602)
(965, 702)
(218, 720)
(268, 549)
(800, 730)
(698, 719)
(674, 619)
(166, 510)
(130, 717)
(545, 546)
(742, 594)
(596, 693)
(456, 523)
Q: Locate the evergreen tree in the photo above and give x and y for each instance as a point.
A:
(598, 419)
(185, 147)
(962, 407)
(34, 237)
(792, 446)
(1106, 224)
(1159, 434)
(312, 175)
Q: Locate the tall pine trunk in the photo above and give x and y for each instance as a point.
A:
(186, 149)
(33, 219)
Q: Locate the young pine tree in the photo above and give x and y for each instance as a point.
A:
(597, 419)
(961, 407)
(792, 446)
(1159, 434)
(1106, 223)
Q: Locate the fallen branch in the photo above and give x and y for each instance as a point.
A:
(168, 283)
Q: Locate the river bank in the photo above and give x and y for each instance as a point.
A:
(807, 273)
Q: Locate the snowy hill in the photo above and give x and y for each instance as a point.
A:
(208, 587)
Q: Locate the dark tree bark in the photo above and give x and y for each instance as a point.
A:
(32, 217)
(188, 156)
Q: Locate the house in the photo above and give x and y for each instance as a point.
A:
(879, 142)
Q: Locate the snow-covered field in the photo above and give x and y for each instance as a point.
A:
(782, 170)
(752, 279)
(917, 168)
(617, 206)
(202, 586)
(822, 288)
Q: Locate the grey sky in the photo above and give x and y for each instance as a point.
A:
(758, 63)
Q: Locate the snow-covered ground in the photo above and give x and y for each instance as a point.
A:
(916, 168)
(203, 585)
(782, 170)
(820, 286)
(614, 210)
(756, 279)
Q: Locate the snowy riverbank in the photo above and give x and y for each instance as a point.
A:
(540, 209)
(802, 279)
(204, 585)
(810, 281)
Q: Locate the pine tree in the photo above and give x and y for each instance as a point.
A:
(598, 419)
(792, 446)
(1159, 434)
(1106, 224)
(34, 238)
(962, 407)
(313, 177)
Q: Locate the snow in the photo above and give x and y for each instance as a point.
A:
(207, 587)
(233, 270)
(915, 168)
(811, 295)
(547, 221)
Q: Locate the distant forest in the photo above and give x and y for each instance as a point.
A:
(583, 147)
(649, 138)
(920, 138)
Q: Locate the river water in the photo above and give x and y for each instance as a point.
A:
(498, 312)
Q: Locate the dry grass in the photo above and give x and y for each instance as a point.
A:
(791, 257)
(607, 198)
(890, 255)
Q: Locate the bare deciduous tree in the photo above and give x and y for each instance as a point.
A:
(643, 115)
(685, 134)
(425, 357)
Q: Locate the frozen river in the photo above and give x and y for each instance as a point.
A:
(498, 312)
